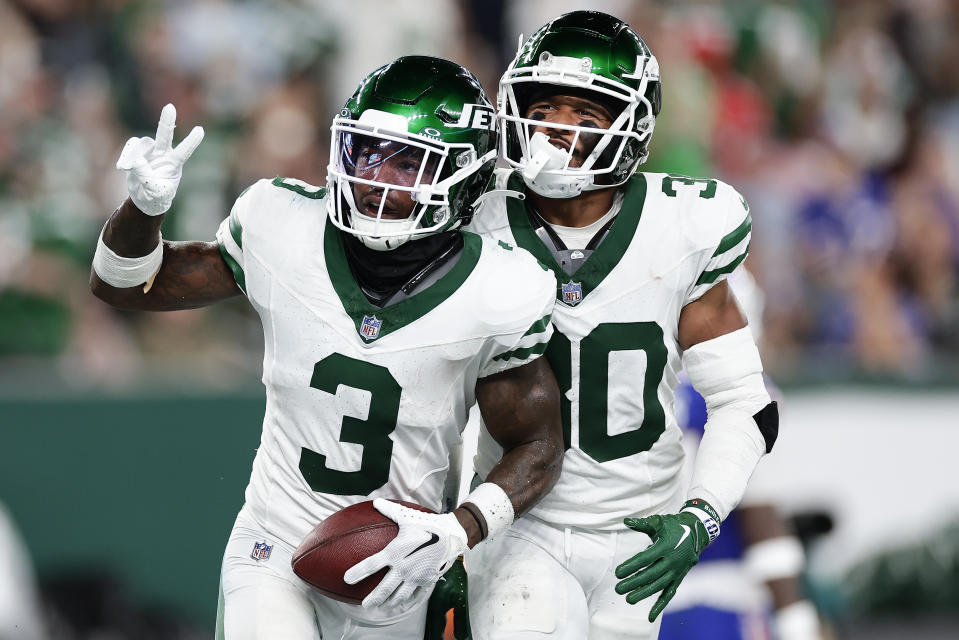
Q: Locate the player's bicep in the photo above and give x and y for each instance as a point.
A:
(713, 314)
(196, 270)
(521, 405)
(192, 275)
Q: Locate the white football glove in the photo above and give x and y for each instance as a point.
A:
(154, 167)
(425, 547)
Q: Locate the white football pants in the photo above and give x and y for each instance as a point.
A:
(537, 581)
(265, 600)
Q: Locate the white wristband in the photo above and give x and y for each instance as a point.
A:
(798, 621)
(123, 273)
(775, 558)
(711, 524)
(495, 506)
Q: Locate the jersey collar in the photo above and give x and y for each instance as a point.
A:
(374, 322)
(606, 256)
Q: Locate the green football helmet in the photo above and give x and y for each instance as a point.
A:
(418, 132)
(587, 54)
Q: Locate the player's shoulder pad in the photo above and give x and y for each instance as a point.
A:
(506, 261)
(709, 211)
(301, 188)
(245, 203)
(243, 214)
(267, 193)
(272, 209)
(516, 287)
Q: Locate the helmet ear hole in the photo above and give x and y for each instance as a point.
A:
(654, 93)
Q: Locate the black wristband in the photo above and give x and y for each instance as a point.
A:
(480, 520)
(699, 503)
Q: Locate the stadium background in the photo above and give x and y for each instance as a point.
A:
(126, 439)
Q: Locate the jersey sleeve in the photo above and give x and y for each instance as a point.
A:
(530, 332)
(229, 235)
(730, 247)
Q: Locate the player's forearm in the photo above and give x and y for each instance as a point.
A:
(742, 424)
(527, 473)
(773, 553)
(785, 591)
(192, 275)
(131, 233)
(132, 267)
(523, 476)
(128, 256)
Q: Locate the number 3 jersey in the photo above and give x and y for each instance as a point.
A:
(615, 349)
(363, 401)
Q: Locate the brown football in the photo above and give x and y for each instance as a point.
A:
(339, 542)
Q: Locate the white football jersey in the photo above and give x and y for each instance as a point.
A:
(363, 401)
(615, 349)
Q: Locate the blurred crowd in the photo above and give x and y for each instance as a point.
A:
(838, 120)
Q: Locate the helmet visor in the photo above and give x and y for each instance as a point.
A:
(386, 162)
(388, 184)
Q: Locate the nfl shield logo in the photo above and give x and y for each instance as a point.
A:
(572, 293)
(370, 328)
(261, 551)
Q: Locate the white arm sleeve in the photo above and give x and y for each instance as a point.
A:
(727, 371)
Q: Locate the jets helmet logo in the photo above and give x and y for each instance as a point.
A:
(476, 116)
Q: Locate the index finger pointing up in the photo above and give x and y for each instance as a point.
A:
(164, 136)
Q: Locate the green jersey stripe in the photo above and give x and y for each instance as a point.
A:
(709, 277)
(735, 237)
(539, 326)
(524, 353)
(298, 186)
(236, 230)
(234, 266)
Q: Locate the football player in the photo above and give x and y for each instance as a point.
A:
(748, 585)
(641, 261)
(383, 324)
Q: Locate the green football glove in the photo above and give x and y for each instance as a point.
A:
(450, 594)
(677, 541)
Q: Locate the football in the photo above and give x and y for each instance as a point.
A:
(339, 542)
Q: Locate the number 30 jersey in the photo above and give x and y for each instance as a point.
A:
(615, 349)
(363, 401)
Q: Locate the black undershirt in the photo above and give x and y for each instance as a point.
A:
(381, 274)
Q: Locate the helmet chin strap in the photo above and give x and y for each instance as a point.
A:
(365, 226)
(546, 157)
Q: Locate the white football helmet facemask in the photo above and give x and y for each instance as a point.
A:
(586, 54)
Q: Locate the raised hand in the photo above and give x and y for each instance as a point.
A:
(154, 166)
